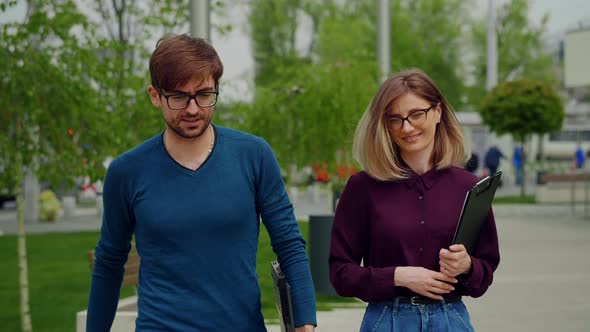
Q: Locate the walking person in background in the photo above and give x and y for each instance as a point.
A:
(492, 159)
(399, 214)
(472, 164)
(517, 162)
(579, 157)
(193, 196)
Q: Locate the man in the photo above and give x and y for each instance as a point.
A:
(472, 164)
(192, 196)
(492, 159)
(579, 157)
(518, 162)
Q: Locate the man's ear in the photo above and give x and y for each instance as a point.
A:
(154, 96)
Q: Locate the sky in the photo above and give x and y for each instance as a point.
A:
(563, 14)
(235, 51)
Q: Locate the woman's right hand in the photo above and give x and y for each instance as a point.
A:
(423, 281)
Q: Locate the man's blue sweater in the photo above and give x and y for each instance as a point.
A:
(197, 235)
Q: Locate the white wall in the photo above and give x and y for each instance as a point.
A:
(577, 59)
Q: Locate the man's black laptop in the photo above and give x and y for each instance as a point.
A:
(282, 297)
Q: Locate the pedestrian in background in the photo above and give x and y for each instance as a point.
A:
(472, 164)
(579, 157)
(492, 159)
(518, 163)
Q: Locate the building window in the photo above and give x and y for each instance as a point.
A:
(570, 136)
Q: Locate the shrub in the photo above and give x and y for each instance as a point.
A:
(50, 206)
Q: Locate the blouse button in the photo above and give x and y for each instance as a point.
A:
(420, 197)
(422, 222)
(420, 250)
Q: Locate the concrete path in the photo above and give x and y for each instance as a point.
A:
(543, 277)
(542, 283)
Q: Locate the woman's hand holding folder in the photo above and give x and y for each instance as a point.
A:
(423, 281)
(455, 260)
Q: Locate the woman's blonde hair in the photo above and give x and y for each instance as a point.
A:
(374, 148)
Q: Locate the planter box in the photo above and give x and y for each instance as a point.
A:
(124, 318)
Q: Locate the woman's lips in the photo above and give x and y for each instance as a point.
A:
(412, 138)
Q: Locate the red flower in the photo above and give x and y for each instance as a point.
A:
(322, 175)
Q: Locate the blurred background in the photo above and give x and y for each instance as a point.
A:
(299, 73)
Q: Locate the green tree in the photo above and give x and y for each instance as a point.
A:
(521, 52)
(297, 91)
(522, 108)
(51, 111)
(127, 32)
(274, 25)
(123, 27)
(430, 35)
(309, 100)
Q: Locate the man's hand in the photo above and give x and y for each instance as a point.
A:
(305, 328)
(454, 261)
(423, 281)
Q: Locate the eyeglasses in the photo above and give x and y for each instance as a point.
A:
(181, 101)
(415, 118)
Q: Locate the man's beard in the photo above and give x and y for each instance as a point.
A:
(181, 132)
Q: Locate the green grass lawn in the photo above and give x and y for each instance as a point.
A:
(59, 280)
(530, 199)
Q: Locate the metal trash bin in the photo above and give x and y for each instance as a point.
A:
(320, 228)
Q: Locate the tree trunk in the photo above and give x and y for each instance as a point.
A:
(25, 312)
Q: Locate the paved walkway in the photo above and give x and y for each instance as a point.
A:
(541, 284)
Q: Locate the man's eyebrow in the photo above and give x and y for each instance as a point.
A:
(203, 89)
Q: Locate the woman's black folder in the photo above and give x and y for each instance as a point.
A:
(476, 207)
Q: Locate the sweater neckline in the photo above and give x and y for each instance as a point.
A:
(204, 165)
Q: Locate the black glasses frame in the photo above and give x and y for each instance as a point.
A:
(190, 97)
(407, 118)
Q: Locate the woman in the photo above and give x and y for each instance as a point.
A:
(399, 215)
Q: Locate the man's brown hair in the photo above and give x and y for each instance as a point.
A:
(181, 58)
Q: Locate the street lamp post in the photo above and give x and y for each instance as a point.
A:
(200, 14)
(383, 39)
(492, 49)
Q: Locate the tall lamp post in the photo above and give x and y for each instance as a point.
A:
(200, 14)
(383, 39)
(492, 49)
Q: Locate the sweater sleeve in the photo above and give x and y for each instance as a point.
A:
(484, 260)
(350, 238)
(112, 250)
(287, 242)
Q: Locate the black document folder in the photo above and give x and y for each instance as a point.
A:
(282, 297)
(476, 207)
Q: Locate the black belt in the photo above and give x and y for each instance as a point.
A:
(415, 300)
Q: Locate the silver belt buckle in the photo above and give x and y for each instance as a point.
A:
(414, 298)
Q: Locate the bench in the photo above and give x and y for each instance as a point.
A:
(572, 179)
(127, 308)
(131, 277)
